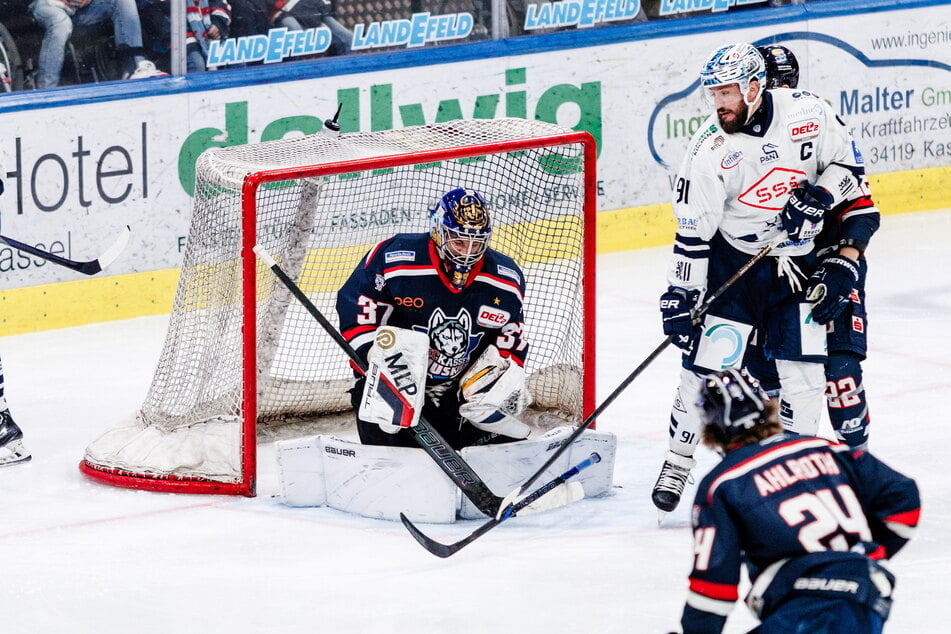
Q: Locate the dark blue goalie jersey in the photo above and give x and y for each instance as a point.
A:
(400, 283)
(793, 508)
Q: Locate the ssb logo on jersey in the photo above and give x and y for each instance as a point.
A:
(772, 191)
(802, 130)
(490, 317)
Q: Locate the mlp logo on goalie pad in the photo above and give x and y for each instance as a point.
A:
(396, 375)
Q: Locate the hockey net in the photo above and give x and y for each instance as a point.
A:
(241, 355)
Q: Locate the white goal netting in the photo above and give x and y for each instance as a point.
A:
(323, 203)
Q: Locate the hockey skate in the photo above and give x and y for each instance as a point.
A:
(12, 450)
(671, 481)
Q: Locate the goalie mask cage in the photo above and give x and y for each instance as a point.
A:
(241, 351)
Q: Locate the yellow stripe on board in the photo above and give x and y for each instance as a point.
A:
(100, 299)
(895, 193)
(86, 301)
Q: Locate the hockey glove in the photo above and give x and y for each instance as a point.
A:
(675, 307)
(802, 216)
(830, 287)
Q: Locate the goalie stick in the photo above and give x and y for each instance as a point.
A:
(90, 267)
(447, 550)
(423, 433)
(696, 316)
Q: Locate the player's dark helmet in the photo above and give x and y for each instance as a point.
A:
(782, 67)
(732, 401)
(461, 228)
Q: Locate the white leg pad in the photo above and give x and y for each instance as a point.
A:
(506, 467)
(367, 480)
(802, 395)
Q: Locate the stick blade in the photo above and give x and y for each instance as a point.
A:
(440, 550)
(109, 256)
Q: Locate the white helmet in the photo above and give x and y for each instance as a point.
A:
(734, 64)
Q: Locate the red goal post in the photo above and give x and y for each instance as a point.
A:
(241, 353)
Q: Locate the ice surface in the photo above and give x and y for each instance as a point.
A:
(81, 557)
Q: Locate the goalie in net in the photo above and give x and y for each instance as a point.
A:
(243, 358)
(454, 344)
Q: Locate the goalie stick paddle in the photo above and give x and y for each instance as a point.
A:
(90, 267)
(431, 441)
(696, 316)
(447, 550)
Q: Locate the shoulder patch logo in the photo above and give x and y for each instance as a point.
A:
(510, 273)
(399, 256)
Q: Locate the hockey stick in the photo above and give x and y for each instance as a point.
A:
(423, 433)
(447, 550)
(90, 267)
(696, 316)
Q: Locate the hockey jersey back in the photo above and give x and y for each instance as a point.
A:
(787, 498)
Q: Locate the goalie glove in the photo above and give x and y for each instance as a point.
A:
(394, 392)
(494, 394)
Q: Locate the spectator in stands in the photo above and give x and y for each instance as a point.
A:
(57, 17)
(205, 20)
(297, 15)
(256, 17)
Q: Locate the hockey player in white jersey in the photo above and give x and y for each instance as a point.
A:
(762, 170)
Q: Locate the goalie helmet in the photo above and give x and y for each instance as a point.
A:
(461, 229)
(782, 67)
(732, 401)
(734, 64)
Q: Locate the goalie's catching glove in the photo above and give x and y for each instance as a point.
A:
(802, 216)
(495, 394)
(676, 306)
(830, 287)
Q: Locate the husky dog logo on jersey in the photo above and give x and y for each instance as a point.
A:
(450, 341)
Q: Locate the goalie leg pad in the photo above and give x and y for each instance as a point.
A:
(495, 394)
(366, 480)
(394, 391)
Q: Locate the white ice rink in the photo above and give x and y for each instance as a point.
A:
(80, 557)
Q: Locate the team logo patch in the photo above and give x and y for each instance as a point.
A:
(490, 317)
(507, 272)
(400, 256)
(450, 341)
(379, 282)
(802, 130)
(731, 160)
(858, 324)
(772, 191)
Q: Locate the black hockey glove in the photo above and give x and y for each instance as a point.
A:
(830, 287)
(675, 307)
(802, 216)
